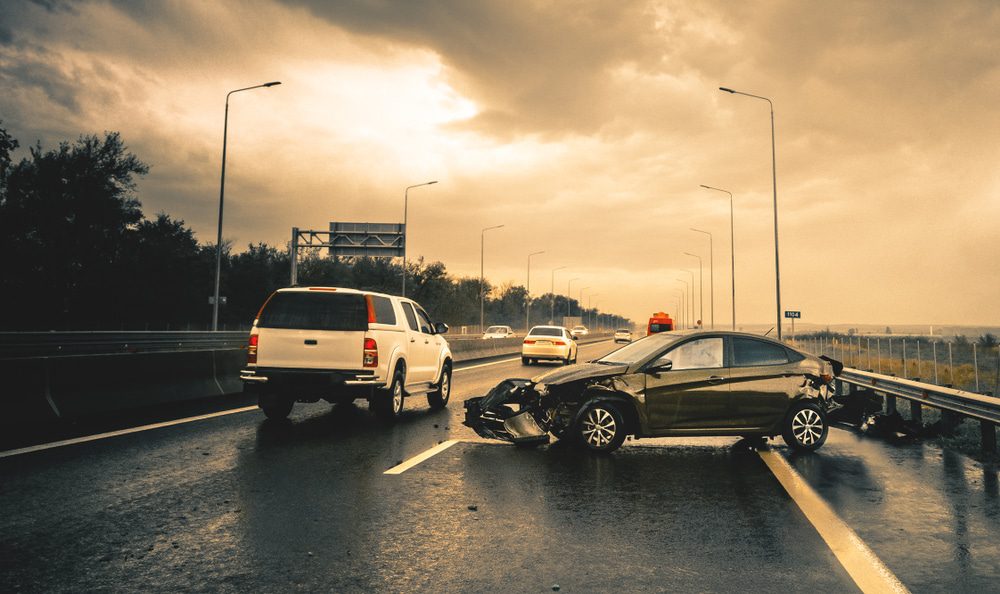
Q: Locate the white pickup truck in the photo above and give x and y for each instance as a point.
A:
(312, 343)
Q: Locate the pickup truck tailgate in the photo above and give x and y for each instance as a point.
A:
(312, 330)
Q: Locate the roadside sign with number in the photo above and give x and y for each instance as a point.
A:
(793, 314)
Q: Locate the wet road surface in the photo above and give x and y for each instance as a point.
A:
(238, 503)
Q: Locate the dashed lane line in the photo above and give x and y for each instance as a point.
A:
(862, 564)
(95, 437)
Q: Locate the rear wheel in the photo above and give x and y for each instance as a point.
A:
(601, 428)
(805, 427)
(525, 361)
(387, 404)
(276, 408)
(439, 397)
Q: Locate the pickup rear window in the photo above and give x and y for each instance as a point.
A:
(315, 311)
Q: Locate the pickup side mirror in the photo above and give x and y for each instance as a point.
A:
(440, 328)
(664, 365)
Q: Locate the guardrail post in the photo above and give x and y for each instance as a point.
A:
(949, 421)
(890, 404)
(989, 437)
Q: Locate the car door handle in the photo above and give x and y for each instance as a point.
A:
(715, 379)
(311, 342)
(413, 340)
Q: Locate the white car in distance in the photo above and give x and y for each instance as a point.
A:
(499, 332)
(549, 343)
(579, 331)
(623, 335)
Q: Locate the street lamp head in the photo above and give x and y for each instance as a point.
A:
(431, 182)
(704, 186)
(272, 84)
(726, 90)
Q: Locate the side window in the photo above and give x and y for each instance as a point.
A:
(425, 321)
(411, 318)
(384, 313)
(704, 353)
(748, 352)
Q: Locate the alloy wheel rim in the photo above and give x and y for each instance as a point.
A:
(397, 398)
(807, 426)
(446, 386)
(599, 427)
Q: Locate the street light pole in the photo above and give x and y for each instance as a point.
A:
(552, 313)
(569, 293)
(774, 187)
(222, 194)
(701, 288)
(527, 307)
(732, 246)
(682, 318)
(689, 288)
(711, 271)
(482, 291)
(405, 231)
(580, 301)
(590, 306)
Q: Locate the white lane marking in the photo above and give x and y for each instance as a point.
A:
(401, 468)
(518, 358)
(862, 564)
(95, 437)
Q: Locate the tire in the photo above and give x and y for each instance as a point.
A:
(805, 427)
(277, 409)
(525, 361)
(601, 428)
(566, 360)
(438, 399)
(387, 404)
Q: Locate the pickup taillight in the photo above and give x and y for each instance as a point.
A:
(370, 354)
(252, 349)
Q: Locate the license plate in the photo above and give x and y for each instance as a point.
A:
(543, 342)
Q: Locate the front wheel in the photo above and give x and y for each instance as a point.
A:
(387, 404)
(601, 428)
(439, 397)
(805, 427)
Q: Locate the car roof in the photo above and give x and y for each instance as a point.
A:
(547, 326)
(343, 290)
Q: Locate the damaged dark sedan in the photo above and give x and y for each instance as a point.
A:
(694, 383)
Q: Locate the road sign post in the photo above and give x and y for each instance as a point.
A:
(793, 315)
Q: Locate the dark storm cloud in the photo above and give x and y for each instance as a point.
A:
(38, 74)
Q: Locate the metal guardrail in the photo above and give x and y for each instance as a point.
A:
(26, 345)
(985, 409)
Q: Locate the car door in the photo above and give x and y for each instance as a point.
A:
(694, 392)
(416, 350)
(430, 347)
(764, 380)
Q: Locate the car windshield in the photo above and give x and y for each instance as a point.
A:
(538, 331)
(639, 350)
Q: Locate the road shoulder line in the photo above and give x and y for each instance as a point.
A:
(97, 436)
(862, 564)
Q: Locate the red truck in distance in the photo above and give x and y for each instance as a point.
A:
(660, 322)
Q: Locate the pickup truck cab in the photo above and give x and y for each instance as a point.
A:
(336, 344)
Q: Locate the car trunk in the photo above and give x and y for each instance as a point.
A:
(312, 330)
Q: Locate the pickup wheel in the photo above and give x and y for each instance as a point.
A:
(277, 409)
(387, 404)
(438, 398)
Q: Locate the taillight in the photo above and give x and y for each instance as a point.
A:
(558, 343)
(370, 354)
(252, 349)
(529, 341)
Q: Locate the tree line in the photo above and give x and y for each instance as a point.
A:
(79, 254)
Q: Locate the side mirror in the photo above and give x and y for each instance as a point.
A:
(440, 328)
(666, 365)
(575, 337)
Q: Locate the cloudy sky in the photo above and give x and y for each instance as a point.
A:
(585, 128)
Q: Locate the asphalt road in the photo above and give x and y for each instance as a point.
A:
(237, 503)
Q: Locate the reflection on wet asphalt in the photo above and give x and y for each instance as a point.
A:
(932, 516)
(238, 503)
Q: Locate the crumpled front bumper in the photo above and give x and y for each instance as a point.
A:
(505, 413)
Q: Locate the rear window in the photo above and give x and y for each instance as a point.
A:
(748, 352)
(384, 313)
(315, 311)
(660, 327)
(546, 331)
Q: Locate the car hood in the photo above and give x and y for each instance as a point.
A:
(579, 372)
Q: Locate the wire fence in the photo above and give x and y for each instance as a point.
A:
(963, 365)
